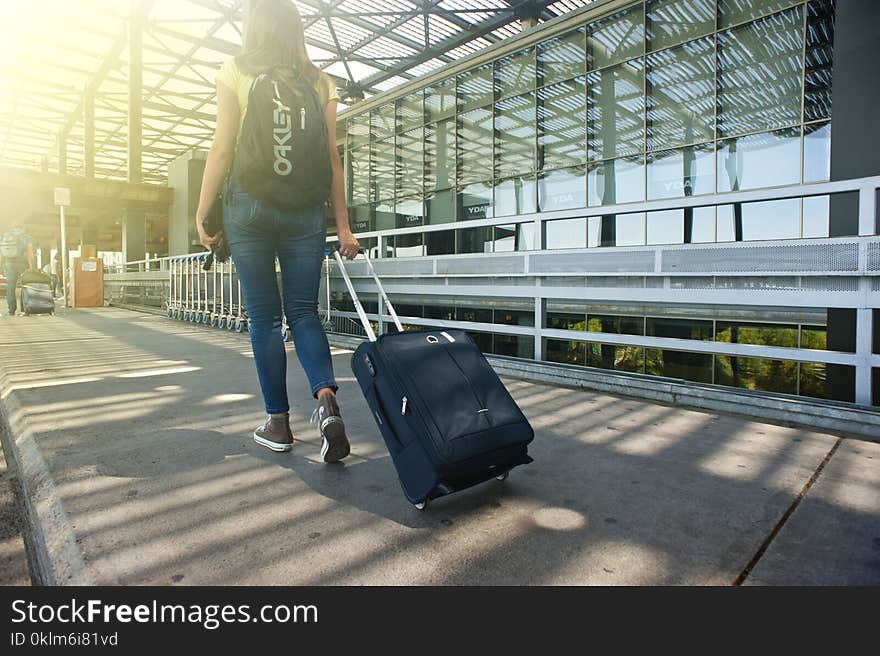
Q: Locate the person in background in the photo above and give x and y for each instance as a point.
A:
(53, 269)
(17, 253)
(257, 233)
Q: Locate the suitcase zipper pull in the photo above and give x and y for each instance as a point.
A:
(302, 118)
(403, 407)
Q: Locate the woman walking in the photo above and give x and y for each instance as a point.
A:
(258, 232)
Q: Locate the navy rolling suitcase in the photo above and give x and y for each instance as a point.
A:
(446, 418)
(36, 298)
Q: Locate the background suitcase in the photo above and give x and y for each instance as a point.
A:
(446, 418)
(36, 298)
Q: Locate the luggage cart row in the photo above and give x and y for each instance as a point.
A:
(212, 298)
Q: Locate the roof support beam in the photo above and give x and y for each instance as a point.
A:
(135, 90)
(89, 133)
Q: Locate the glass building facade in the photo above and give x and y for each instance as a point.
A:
(657, 100)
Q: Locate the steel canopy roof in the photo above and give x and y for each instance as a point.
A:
(60, 51)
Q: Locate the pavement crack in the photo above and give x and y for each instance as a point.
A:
(788, 513)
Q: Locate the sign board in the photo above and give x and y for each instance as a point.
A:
(62, 196)
(89, 266)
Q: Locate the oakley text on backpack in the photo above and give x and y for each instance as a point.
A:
(283, 158)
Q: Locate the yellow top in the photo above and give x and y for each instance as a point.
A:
(240, 83)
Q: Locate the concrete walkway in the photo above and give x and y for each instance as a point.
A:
(132, 436)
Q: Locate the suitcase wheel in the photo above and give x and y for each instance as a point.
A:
(503, 476)
(421, 505)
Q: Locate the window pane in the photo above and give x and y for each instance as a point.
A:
(514, 346)
(525, 236)
(814, 337)
(759, 80)
(440, 155)
(382, 122)
(614, 39)
(361, 218)
(482, 340)
(383, 169)
(509, 317)
(515, 196)
(568, 233)
(813, 377)
(679, 364)
(565, 352)
(478, 315)
(440, 100)
(409, 246)
(768, 334)
(475, 202)
(359, 176)
(616, 111)
(594, 232)
(687, 171)
(819, 60)
(384, 216)
(616, 181)
(702, 225)
(410, 212)
(566, 321)
(359, 130)
(474, 240)
(630, 229)
(475, 88)
(562, 130)
(515, 136)
(772, 219)
(731, 12)
(666, 227)
(562, 58)
(817, 211)
(410, 168)
(474, 143)
(817, 152)
(440, 243)
(410, 111)
(616, 230)
(505, 239)
(515, 74)
(681, 95)
(441, 207)
(618, 358)
(670, 22)
(603, 323)
(562, 190)
(756, 374)
(700, 329)
(760, 160)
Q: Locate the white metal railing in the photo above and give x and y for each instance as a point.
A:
(839, 272)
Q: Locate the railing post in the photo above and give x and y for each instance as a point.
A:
(867, 210)
(864, 339)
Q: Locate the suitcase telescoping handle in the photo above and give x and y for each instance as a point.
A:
(354, 297)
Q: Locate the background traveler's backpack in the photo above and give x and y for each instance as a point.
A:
(283, 157)
(12, 245)
(34, 276)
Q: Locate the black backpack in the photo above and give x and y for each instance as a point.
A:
(283, 158)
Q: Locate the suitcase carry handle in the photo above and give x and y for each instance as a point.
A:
(357, 304)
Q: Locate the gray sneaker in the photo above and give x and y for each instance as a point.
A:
(275, 434)
(331, 428)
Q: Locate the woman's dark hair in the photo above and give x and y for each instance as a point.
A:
(275, 39)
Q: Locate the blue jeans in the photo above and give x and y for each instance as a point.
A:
(258, 234)
(12, 270)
